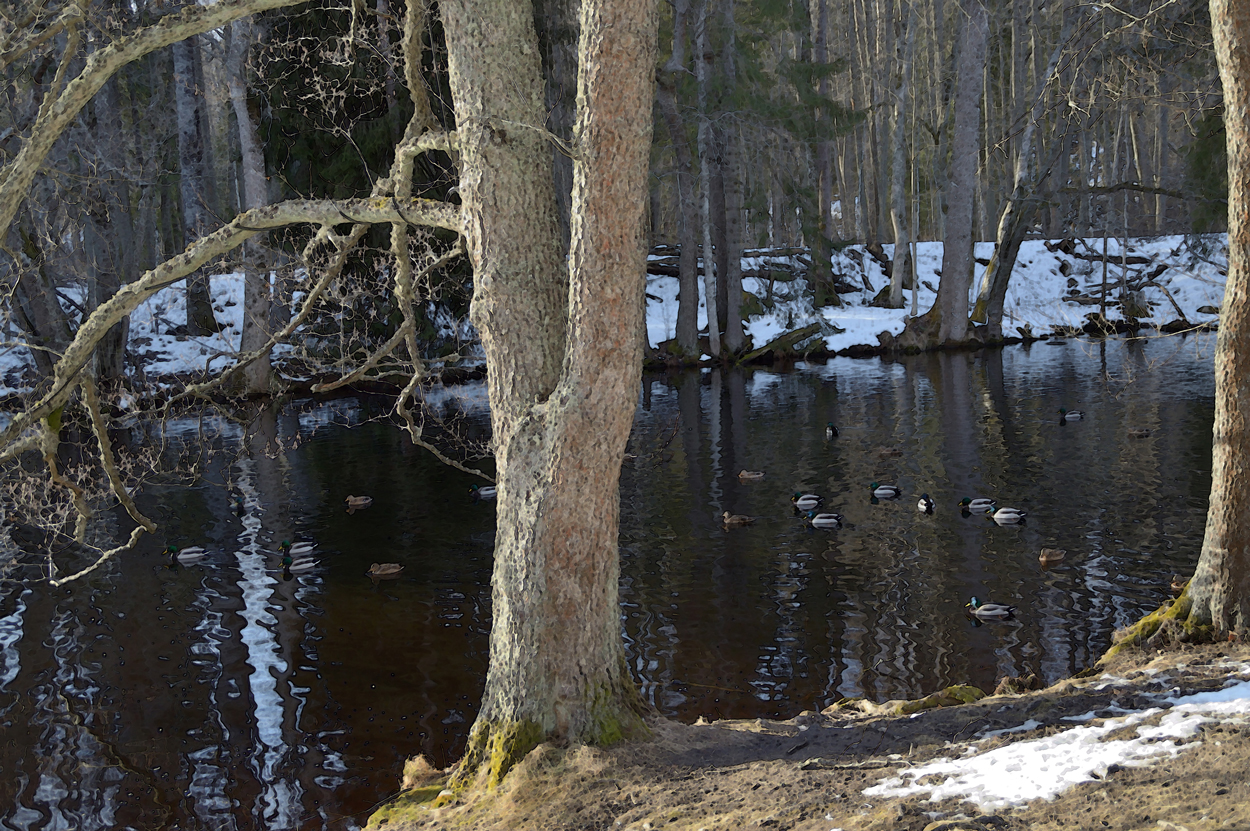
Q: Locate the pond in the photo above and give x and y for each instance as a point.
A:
(218, 694)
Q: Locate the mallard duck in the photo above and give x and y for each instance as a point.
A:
(1008, 516)
(1070, 415)
(980, 505)
(238, 505)
(750, 475)
(296, 549)
(824, 520)
(925, 505)
(357, 503)
(806, 501)
(831, 431)
(886, 491)
(990, 611)
(736, 520)
(297, 564)
(190, 554)
(1052, 555)
(483, 492)
(384, 570)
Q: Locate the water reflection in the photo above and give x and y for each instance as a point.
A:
(219, 694)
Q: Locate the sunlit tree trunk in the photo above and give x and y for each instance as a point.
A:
(1220, 589)
(563, 351)
(1021, 207)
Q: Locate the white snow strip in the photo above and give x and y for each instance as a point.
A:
(1044, 768)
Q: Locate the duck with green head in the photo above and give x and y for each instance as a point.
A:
(190, 554)
(828, 521)
(880, 491)
(806, 501)
(990, 611)
(980, 505)
(296, 549)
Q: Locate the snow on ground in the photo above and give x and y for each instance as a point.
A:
(1043, 768)
(1034, 298)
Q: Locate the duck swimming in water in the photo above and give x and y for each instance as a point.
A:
(925, 505)
(980, 505)
(1008, 516)
(190, 554)
(886, 491)
(990, 611)
(806, 501)
(827, 521)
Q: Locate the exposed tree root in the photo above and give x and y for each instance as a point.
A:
(1169, 625)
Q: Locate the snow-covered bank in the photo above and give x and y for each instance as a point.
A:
(1041, 280)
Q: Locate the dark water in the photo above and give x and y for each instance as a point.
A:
(218, 695)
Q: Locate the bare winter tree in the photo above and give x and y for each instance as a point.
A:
(1216, 603)
(561, 327)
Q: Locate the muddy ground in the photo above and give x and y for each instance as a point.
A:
(809, 773)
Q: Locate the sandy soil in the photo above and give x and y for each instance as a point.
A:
(809, 773)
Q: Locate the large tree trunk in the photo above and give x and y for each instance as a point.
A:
(191, 188)
(905, 47)
(687, 223)
(257, 291)
(702, 60)
(952, 299)
(1220, 589)
(731, 202)
(1020, 208)
(561, 407)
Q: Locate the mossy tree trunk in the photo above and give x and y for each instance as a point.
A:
(563, 351)
(1220, 589)
(1216, 603)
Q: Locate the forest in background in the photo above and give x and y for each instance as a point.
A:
(804, 126)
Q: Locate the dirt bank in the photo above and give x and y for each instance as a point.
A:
(810, 773)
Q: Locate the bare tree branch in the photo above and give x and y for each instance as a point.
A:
(16, 177)
(103, 558)
(244, 226)
(92, 399)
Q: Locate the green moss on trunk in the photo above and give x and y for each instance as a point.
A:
(494, 748)
(1174, 619)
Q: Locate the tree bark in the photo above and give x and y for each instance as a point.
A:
(257, 292)
(731, 188)
(952, 299)
(701, 70)
(1219, 593)
(191, 178)
(1021, 207)
(57, 115)
(905, 47)
(562, 396)
(687, 223)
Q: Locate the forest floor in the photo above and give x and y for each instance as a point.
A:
(1083, 742)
